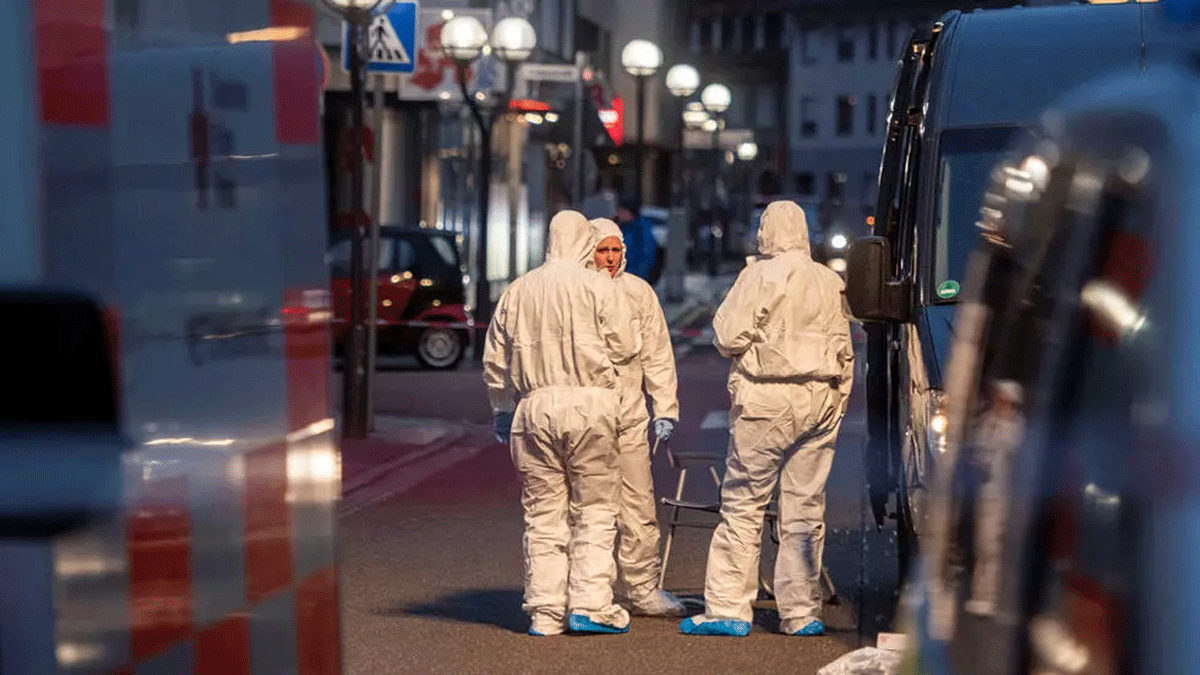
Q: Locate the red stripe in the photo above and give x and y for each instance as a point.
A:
(268, 523)
(159, 541)
(223, 648)
(306, 345)
(297, 83)
(72, 61)
(318, 640)
(112, 325)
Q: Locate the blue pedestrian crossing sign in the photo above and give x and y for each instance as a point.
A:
(391, 40)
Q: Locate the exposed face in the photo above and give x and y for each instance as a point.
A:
(608, 255)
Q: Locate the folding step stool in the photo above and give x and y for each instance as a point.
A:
(679, 461)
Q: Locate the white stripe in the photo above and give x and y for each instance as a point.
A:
(717, 419)
(413, 474)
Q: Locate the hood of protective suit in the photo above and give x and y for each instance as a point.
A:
(783, 228)
(570, 238)
(601, 229)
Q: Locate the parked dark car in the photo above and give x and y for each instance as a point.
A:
(421, 295)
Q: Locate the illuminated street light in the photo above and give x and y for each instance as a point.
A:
(716, 98)
(682, 80)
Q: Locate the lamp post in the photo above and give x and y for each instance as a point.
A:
(682, 81)
(747, 151)
(358, 15)
(463, 40)
(641, 59)
(716, 99)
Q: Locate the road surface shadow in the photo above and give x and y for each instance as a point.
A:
(499, 607)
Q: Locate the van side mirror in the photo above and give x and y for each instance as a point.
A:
(872, 295)
(61, 445)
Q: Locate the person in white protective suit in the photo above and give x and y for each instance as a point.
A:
(549, 368)
(785, 326)
(651, 375)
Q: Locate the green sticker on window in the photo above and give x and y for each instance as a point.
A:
(948, 289)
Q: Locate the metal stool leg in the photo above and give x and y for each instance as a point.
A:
(666, 556)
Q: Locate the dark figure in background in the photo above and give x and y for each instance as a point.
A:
(640, 247)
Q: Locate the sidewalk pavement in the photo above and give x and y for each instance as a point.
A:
(396, 441)
(690, 320)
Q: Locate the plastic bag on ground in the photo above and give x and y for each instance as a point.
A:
(865, 661)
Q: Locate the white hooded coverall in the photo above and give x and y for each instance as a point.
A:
(550, 350)
(785, 327)
(650, 374)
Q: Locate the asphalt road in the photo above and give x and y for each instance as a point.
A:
(431, 577)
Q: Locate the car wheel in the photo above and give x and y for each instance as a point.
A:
(440, 348)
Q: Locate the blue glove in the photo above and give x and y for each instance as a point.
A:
(663, 429)
(502, 427)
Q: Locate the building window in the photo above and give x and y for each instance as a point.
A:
(748, 25)
(835, 186)
(808, 125)
(845, 115)
(872, 104)
(808, 46)
(868, 195)
(706, 35)
(727, 25)
(766, 113)
(773, 30)
(806, 184)
(893, 50)
(694, 37)
(738, 113)
(845, 44)
(872, 41)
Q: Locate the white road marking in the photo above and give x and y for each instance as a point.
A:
(717, 419)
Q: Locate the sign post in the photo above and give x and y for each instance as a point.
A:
(390, 42)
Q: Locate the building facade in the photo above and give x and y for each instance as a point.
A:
(812, 80)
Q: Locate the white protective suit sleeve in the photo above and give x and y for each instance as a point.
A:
(497, 354)
(738, 321)
(658, 357)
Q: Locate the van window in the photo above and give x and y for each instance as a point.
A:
(967, 157)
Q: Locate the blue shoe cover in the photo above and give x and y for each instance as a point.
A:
(581, 624)
(536, 633)
(732, 627)
(813, 628)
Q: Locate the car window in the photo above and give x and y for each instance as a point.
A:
(405, 256)
(337, 258)
(445, 250)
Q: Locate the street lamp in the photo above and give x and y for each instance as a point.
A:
(355, 416)
(682, 80)
(464, 39)
(641, 59)
(747, 151)
(695, 116)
